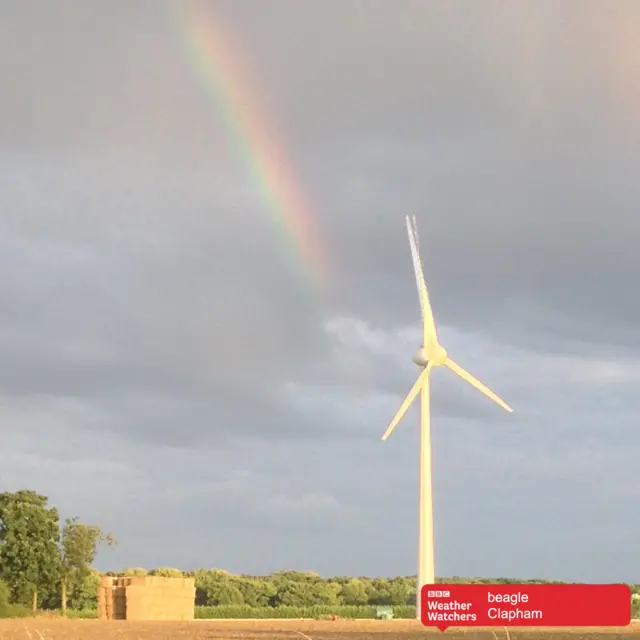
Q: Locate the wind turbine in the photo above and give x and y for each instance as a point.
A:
(430, 355)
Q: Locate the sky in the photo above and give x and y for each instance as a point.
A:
(207, 304)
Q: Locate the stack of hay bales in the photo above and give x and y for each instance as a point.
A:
(146, 598)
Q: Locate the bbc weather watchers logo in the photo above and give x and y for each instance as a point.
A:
(525, 605)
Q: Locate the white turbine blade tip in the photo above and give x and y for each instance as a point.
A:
(474, 382)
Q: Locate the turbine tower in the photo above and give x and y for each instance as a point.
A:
(430, 355)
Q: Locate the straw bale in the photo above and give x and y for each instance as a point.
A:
(147, 598)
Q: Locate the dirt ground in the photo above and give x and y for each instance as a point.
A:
(56, 629)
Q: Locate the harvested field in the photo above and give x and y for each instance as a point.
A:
(56, 629)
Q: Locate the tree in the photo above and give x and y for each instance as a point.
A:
(219, 588)
(83, 593)
(78, 548)
(306, 593)
(354, 592)
(29, 555)
(402, 591)
(166, 572)
(255, 592)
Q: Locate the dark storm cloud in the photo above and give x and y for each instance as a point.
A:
(154, 315)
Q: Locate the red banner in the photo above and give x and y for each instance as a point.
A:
(525, 605)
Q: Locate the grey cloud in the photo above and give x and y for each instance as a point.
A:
(164, 348)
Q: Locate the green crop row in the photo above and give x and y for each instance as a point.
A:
(315, 612)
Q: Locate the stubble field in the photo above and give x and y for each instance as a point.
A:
(56, 629)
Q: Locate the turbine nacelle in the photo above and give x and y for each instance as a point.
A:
(435, 355)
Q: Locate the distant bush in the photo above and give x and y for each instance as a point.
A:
(15, 611)
(166, 572)
(135, 571)
(4, 594)
(8, 610)
(84, 614)
(314, 612)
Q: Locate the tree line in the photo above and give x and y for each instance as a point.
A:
(48, 564)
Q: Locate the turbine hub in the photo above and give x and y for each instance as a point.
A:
(436, 355)
(421, 358)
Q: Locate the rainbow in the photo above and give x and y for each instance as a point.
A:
(222, 72)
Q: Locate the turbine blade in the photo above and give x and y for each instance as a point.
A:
(415, 261)
(406, 403)
(416, 237)
(429, 334)
(474, 382)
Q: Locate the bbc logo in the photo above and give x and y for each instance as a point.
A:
(438, 594)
